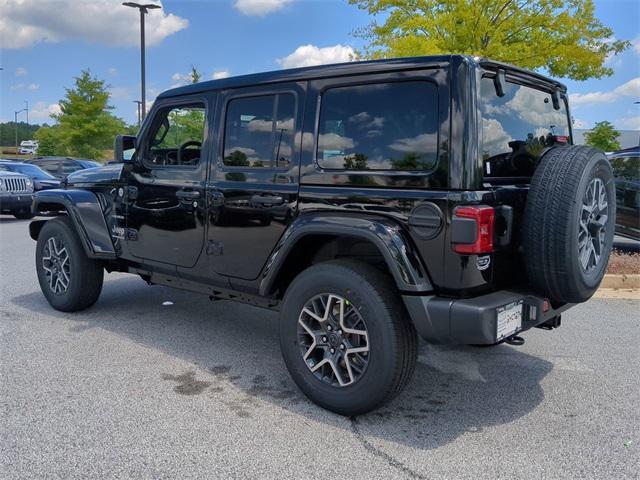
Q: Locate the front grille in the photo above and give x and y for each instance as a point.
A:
(16, 185)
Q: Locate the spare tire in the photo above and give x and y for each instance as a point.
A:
(569, 223)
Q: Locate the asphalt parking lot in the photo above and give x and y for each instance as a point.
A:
(132, 388)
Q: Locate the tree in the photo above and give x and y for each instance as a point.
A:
(86, 124)
(195, 74)
(49, 141)
(603, 136)
(562, 36)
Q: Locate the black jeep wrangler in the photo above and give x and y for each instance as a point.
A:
(370, 203)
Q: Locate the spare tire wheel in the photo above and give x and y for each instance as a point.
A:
(569, 223)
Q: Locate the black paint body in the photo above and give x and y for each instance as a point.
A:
(232, 235)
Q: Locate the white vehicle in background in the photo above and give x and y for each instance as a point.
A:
(28, 147)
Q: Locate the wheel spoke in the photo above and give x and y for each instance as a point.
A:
(329, 342)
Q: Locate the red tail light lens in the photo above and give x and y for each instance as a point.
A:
(484, 218)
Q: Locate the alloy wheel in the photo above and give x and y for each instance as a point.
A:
(57, 265)
(333, 340)
(594, 215)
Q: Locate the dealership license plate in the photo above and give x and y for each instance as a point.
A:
(509, 320)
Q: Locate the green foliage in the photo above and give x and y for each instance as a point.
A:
(562, 36)
(195, 75)
(86, 124)
(185, 124)
(8, 132)
(49, 142)
(603, 136)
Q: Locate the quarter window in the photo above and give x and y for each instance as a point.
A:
(259, 131)
(385, 126)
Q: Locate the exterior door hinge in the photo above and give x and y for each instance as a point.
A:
(214, 248)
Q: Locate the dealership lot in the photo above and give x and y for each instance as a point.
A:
(134, 388)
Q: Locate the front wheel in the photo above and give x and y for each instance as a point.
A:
(345, 337)
(69, 280)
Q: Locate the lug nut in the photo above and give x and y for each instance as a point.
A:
(324, 339)
(333, 350)
(339, 332)
(342, 346)
(329, 327)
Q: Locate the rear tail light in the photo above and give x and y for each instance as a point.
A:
(472, 229)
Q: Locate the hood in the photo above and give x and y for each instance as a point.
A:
(106, 174)
(46, 183)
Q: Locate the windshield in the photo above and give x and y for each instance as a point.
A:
(88, 163)
(517, 127)
(29, 170)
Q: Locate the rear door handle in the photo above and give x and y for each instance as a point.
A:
(188, 194)
(267, 200)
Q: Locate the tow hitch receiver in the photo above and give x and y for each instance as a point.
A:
(553, 322)
(514, 340)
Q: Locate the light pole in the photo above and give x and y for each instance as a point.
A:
(15, 121)
(144, 9)
(27, 110)
(139, 104)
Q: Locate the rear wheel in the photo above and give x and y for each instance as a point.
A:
(68, 278)
(346, 338)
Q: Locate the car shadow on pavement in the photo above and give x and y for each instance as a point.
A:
(234, 358)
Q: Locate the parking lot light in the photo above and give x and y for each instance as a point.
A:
(144, 9)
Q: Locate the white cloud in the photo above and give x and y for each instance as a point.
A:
(628, 123)
(217, 75)
(180, 79)
(27, 22)
(20, 71)
(494, 136)
(22, 86)
(119, 93)
(629, 89)
(308, 55)
(259, 8)
(425, 142)
(578, 123)
(636, 45)
(113, 71)
(42, 111)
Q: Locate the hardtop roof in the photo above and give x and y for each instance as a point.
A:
(346, 69)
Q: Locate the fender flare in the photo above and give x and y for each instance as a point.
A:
(84, 209)
(387, 235)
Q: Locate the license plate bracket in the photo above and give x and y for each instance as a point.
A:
(508, 319)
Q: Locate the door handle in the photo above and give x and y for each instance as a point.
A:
(267, 200)
(188, 194)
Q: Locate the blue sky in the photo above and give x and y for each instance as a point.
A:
(45, 43)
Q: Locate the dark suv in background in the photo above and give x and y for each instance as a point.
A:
(61, 167)
(438, 197)
(626, 168)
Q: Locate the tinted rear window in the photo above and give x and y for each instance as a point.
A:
(522, 123)
(383, 126)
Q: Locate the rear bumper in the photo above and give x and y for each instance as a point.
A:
(11, 203)
(474, 320)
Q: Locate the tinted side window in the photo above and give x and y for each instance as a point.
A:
(259, 131)
(51, 167)
(69, 166)
(385, 126)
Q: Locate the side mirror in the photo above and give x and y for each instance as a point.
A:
(125, 146)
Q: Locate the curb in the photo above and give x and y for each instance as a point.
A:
(625, 281)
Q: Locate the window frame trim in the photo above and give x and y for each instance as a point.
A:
(229, 97)
(354, 82)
